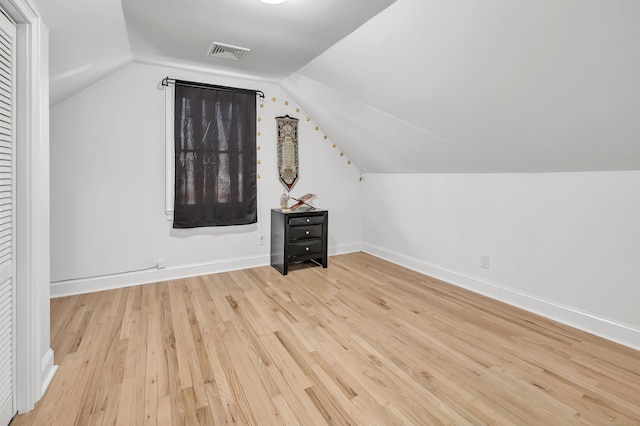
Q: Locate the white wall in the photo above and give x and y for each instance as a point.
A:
(566, 245)
(108, 191)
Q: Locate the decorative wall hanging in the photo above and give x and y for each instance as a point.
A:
(288, 150)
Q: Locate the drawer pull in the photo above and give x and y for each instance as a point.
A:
(307, 232)
(306, 248)
(308, 220)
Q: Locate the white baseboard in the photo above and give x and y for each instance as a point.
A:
(594, 324)
(110, 282)
(48, 370)
(345, 249)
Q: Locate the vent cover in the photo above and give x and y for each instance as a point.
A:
(227, 51)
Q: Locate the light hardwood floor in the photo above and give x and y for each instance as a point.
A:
(362, 342)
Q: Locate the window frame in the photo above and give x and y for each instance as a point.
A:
(169, 151)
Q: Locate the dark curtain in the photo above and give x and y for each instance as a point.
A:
(215, 158)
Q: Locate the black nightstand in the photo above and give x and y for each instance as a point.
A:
(298, 236)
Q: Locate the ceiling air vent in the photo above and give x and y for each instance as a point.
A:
(227, 51)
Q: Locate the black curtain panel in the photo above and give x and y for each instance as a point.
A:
(215, 158)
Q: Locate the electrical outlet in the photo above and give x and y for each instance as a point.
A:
(484, 261)
(261, 239)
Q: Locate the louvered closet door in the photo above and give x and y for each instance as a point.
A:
(7, 195)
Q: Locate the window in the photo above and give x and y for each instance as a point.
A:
(213, 156)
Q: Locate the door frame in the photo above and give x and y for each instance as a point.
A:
(33, 355)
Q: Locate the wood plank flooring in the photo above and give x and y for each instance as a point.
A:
(363, 342)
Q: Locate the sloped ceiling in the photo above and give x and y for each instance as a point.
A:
(405, 86)
(92, 38)
(87, 41)
(483, 86)
(282, 38)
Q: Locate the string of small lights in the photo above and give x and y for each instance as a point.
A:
(261, 106)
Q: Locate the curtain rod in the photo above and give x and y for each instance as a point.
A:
(167, 81)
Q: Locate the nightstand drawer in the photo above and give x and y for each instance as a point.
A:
(304, 248)
(309, 220)
(305, 232)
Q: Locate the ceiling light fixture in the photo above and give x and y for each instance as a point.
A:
(272, 1)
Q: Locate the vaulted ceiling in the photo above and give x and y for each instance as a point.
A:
(404, 86)
(91, 38)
